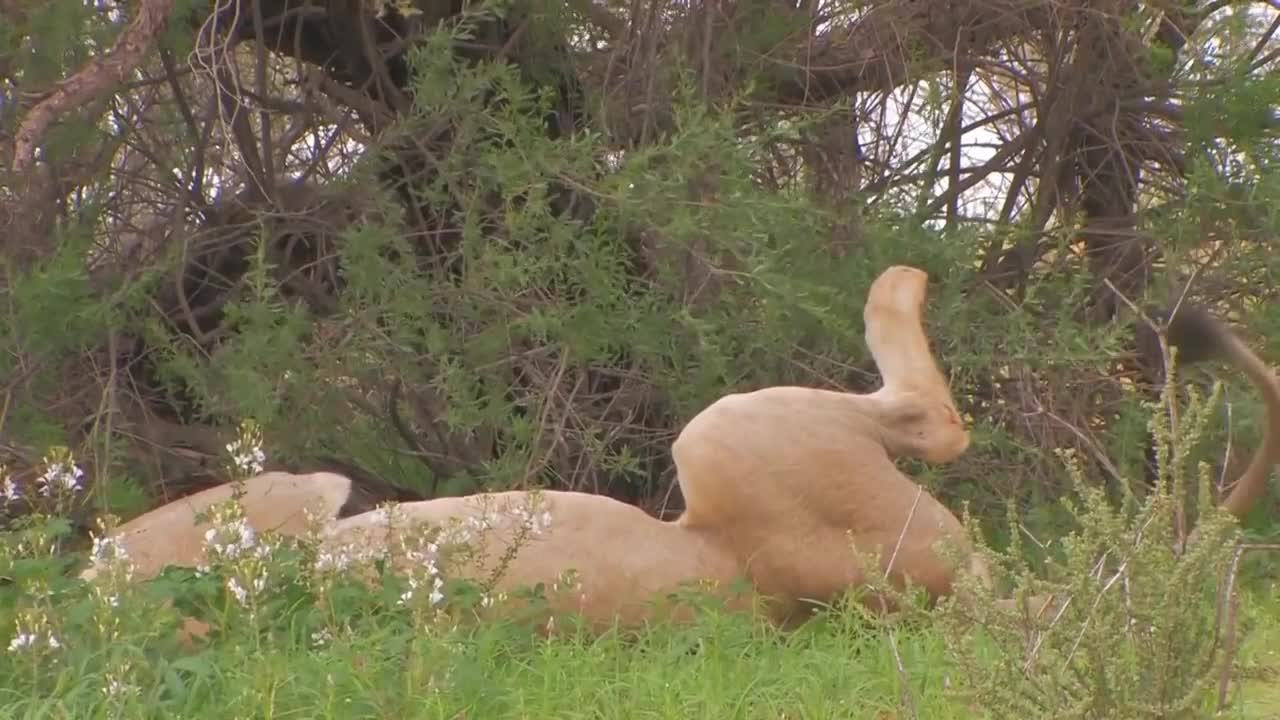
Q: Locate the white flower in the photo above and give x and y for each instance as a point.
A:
(457, 534)
(107, 548)
(341, 557)
(486, 520)
(326, 560)
(536, 523)
(60, 476)
(109, 552)
(22, 641)
(9, 491)
(232, 540)
(407, 595)
(247, 458)
(234, 586)
(321, 637)
(27, 640)
(115, 688)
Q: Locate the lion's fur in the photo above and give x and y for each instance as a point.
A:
(1198, 337)
(169, 534)
(792, 481)
(623, 559)
(795, 480)
(781, 485)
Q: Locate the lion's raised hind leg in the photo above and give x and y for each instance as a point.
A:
(918, 410)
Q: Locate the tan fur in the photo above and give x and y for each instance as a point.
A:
(914, 407)
(275, 501)
(796, 480)
(623, 559)
(1195, 327)
(777, 483)
(781, 485)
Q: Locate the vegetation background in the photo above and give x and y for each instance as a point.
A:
(448, 247)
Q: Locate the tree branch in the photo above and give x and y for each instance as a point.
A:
(92, 80)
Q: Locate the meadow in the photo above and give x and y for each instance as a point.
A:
(280, 634)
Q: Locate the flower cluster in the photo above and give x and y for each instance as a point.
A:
(424, 571)
(232, 538)
(8, 490)
(59, 481)
(117, 686)
(32, 632)
(464, 531)
(423, 550)
(536, 523)
(24, 640)
(335, 558)
(231, 544)
(59, 477)
(247, 457)
(113, 569)
(321, 638)
(533, 520)
(258, 583)
(108, 552)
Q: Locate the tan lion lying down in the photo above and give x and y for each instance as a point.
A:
(781, 486)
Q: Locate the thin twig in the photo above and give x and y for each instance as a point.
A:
(908, 703)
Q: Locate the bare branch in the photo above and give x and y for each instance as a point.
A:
(92, 80)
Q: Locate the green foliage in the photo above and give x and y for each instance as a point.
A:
(568, 346)
(1135, 628)
(542, 291)
(287, 635)
(56, 288)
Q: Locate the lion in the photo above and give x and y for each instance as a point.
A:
(786, 488)
(800, 482)
(768, 477)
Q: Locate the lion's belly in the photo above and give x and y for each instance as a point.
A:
(597, 556)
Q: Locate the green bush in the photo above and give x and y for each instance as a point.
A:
(1137, 628)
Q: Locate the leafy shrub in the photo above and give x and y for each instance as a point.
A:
(1136, 628)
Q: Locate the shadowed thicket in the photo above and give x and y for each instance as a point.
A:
(445, 246)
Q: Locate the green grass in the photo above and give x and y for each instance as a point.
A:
(1258, 668)
(398, 664)
(722, 668)
(311, 643)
